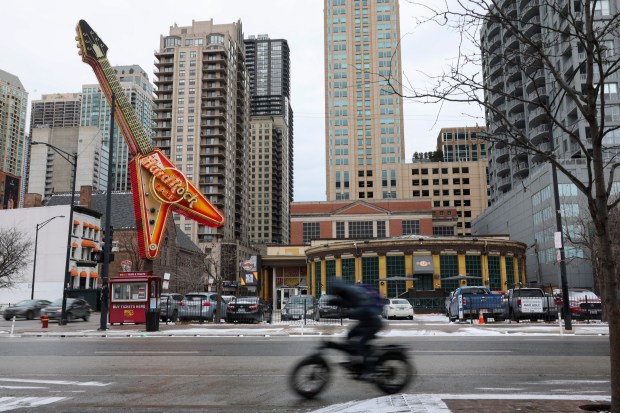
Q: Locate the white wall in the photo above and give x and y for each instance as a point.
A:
(51, 251)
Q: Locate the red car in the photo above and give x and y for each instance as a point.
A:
(583, 304)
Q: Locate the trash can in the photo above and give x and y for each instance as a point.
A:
(152, 319)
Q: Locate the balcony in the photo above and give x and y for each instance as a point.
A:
(537, 116)
(539, 133)
(504, 183)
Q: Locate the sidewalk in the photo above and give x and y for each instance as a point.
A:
(422, 325)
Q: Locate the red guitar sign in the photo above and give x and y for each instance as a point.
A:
(158, 187)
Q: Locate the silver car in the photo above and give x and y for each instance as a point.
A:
(169, 306)
(301, 307)
(200, 306)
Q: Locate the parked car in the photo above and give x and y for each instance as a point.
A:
(248, 309)
(469, 301)
(200, 306)
(397, 308)
(75, 308)
(327, 310)
(28, 309)
(529, 304)
(301, 307)
(583, 304)
(169, 306)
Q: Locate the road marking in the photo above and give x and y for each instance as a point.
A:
(72, 383)
(461, 351)
(146, 352)
(12, 403)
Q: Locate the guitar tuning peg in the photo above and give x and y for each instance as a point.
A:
(79, 53)
(77, 38)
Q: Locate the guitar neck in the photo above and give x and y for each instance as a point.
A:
(125, 116)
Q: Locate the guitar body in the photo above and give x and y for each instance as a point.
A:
(158, 187)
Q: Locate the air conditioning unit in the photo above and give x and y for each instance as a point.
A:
(115, 247)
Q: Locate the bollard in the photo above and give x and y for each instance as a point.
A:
(44, 320)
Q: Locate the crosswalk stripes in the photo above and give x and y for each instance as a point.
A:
(12, 403)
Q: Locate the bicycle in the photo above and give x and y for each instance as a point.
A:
(392, 373)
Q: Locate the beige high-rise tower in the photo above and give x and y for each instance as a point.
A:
(202, 120)
(364, 136)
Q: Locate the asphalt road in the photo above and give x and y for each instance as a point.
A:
(249, 374)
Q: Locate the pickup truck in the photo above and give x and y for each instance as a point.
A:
(467, 302)
(529, 304)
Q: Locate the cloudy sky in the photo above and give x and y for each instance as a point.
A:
(38, 45)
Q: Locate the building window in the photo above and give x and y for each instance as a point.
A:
(340, 230)
(395, 267)
(443, 231)
(370, 271)
(360, 229)
(494, 273)
(311, 230)
(449, 265)
(411, 227)
(380, 229)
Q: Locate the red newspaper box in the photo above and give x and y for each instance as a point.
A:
(132, 294)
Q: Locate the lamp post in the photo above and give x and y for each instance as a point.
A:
(72, 159)
(568, 325)
(36, 238)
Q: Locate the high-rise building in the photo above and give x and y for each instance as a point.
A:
(58, 110)
(364, 136)
(13, 108)
(271, 147)
(202, 120)
(527, 99)
(96, 112)
(49, 173)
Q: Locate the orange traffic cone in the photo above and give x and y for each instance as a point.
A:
(480, 317)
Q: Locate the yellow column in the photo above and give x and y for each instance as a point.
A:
(409, 269)
(339, 268)
(358, 269)
(382, 275)
(310, 272)
(484, 264)
(502, 272)
(462, 268)
(436, 271)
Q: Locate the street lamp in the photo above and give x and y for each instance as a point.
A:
(72, 159)
(36, 238)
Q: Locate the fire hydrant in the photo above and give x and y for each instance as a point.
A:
(44, 320)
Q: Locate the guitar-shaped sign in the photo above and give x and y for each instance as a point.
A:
(158, 186)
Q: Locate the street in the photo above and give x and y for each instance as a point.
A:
(249, 374)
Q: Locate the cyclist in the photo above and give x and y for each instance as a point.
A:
(363, 307)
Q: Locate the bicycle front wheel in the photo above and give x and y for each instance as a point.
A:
(310, 376)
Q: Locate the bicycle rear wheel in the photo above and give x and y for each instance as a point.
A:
(393, 372)
(310, 376)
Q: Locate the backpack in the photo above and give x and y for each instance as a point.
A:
(376, 300)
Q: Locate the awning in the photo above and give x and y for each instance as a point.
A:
(87, 225)
(74, 244)
(88, 243)
(76, 222)
(93, 274)
(73, 272)
(83, 274)
(97, 228)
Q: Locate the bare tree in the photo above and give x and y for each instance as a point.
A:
(15, 252)
(219, 265)
(558, 62)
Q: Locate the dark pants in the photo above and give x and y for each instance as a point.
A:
(359, 336)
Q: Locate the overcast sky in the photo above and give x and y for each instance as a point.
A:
(38, 45)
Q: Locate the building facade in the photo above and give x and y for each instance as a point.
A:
(202, 120)
(362, 220)
(364, 136)
(52, 172)
(58, 110)
(95, 111)
(271, 147)
(13, 108)
(531, 106)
